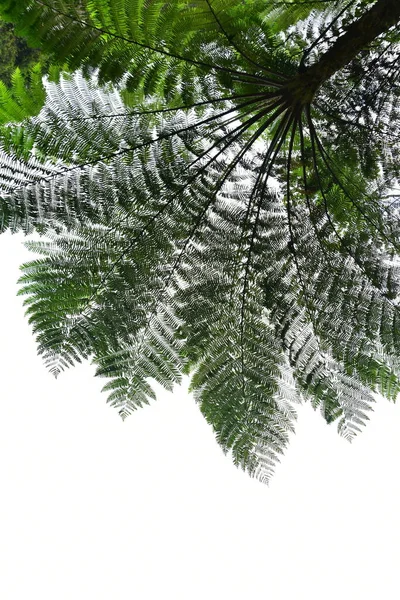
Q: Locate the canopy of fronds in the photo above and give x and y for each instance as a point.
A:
(216, 183)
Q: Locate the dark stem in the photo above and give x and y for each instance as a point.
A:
(383, 15)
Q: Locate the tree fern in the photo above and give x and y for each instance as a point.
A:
(210, 214)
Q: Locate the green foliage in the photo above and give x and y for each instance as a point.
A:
(214, 207)
(15, 53)
(22, 92)
(24, 98)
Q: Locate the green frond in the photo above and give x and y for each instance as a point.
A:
(256, 302)
(159, 48)
(24, 98)
(80, 291)
(238, 367)
(226, 210)
(154, 354)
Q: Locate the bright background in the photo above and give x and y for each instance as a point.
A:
(150, 509)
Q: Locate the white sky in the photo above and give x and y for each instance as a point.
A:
(150, 509)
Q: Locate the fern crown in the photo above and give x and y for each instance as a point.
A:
(216, 183)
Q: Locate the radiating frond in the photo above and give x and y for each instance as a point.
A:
(226, 209)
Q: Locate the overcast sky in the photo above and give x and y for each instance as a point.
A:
(150, 509)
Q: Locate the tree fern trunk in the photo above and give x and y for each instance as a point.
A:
(383, 15)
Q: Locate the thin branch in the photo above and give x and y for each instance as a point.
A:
(154, 111)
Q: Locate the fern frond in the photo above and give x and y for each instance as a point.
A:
(24, 98)
(168, 249)
(289, 12)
